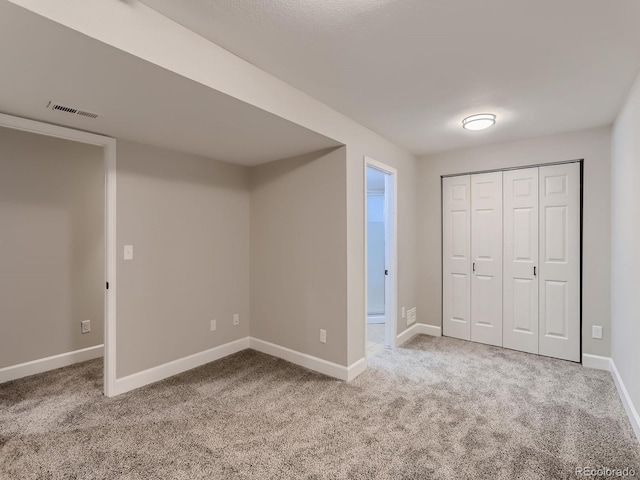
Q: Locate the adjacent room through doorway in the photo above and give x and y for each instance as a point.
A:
(52, 265)
(380, 195)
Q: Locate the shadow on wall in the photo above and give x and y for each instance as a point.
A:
(52, 260)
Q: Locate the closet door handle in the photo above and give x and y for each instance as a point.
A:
(534, 271)
(474, 266)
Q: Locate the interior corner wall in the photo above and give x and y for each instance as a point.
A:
(299, 253)
(52, 237)
(164, 43)
(625, 239)
(593, 146)
(187, 218)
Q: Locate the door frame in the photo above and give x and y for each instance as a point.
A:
(391, 250)
(108, 146)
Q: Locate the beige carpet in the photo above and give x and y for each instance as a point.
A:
(438, 408)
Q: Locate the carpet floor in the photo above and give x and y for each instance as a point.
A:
(437, 408)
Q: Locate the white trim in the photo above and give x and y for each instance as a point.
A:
(356, 368)
(391, 243)
(417, 329)
(155, 374)
(49, 363)
(109, 149)
(596, 361)
(169, 369)
(304, 360)
(607, 363)
(434, 331)
(632, 413)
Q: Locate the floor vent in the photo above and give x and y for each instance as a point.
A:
(411, 316)
(74, 111)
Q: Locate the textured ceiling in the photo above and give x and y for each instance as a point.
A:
(411, 69)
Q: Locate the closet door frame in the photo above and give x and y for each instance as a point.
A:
(581, 180)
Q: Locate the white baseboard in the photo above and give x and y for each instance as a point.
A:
(632, 413)
(432, 330)
(596, 361)
(356, 368)
(155, 374)
(607, 363)
(307, 361)
(180, 365)
(417, 329)
(50, 363)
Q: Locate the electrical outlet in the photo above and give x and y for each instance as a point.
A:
(596, 332)
(323, 336)
(213, 325)
(404, 312)
(85, 325)
(236, 319)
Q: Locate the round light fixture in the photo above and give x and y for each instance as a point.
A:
(479, 122)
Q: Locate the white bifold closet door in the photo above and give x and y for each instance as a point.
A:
(511, 259)
(486, 258)
(559, 278)
(456, 256)
(520, 313)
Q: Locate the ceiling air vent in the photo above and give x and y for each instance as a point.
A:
(72, 110)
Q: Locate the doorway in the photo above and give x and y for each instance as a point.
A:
(380, 262)
(106, 252)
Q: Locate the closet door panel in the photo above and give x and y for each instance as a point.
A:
(486, 257)
(520, 330)
(559, 332)
(456, 250)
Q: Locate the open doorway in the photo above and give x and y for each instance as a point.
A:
(380, 278)
(57, 207)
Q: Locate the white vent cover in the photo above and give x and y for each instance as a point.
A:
(411, 316)
(72, 110)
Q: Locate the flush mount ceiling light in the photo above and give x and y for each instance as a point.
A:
(479, 122)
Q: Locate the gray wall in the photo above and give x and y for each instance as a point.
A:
(299, 254)
(407, 241)
(625, 243)
(187, 218)
(591, 145)
(52, 238)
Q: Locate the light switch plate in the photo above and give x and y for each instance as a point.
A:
(213, 325)
(323, 336)
(128, 252)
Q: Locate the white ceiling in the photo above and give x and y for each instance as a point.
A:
(412, 69)
(43, 60)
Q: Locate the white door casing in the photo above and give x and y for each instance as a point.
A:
(559, 314)
(520, 311)
(486, 258)
(456, 250)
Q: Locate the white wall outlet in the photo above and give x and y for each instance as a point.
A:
(85, 325)
(404, 312)
(236, 319)
(596, 332)
(323, 336)
(128, 252)
(213, 326)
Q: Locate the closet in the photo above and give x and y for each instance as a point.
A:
(511, 259)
